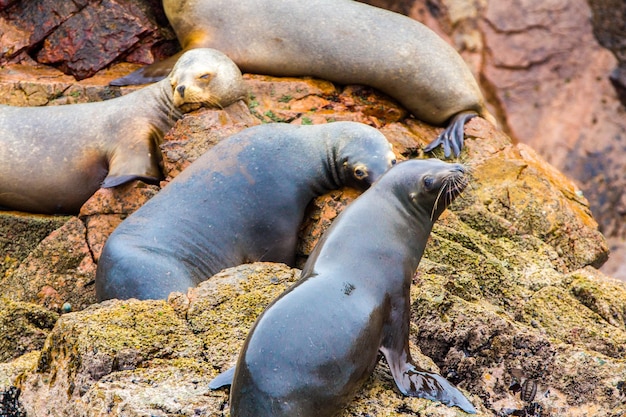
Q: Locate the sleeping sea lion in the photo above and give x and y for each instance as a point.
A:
(53, 158)
(343, 41)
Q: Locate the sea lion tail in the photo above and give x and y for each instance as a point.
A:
(222, 380)
(148, 74)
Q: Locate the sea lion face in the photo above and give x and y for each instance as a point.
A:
(365, 158)
(434, 184)
(207, 77)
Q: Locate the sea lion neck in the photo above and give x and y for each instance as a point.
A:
(164, 102)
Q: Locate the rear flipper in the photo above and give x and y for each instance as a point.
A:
(452, 137)
(223, 380)
(148, 74)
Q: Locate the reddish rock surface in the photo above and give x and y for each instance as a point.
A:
(83, 37)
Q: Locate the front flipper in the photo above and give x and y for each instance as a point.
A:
(222, 380)
(417, 382)
(136, 161)
(110, 182)
(452, 137)
(148, 74)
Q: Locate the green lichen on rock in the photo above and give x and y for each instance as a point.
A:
(224, 307)
(19, 234)
(24, 328)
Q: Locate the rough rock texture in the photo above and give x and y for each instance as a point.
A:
(609, 26)
(83, 37)
(506, 294)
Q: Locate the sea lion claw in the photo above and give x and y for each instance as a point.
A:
(222, 380)
(417, 382)
(452, 137)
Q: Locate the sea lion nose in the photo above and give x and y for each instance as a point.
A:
(181, 90)
(459, 168)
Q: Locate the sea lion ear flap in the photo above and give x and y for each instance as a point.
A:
(148, 74)
(222, 380)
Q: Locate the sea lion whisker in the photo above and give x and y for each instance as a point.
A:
(441, 190)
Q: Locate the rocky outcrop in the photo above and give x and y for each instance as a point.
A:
(506, 295)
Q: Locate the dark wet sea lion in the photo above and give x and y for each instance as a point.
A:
(242, 201)
(52, 159)
(338, 40)
(314, 346)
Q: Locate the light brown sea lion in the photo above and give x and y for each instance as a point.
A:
(52, 159)
(313, 347)
(242, 201)
(338, 40)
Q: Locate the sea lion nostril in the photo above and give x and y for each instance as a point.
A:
(181, 90)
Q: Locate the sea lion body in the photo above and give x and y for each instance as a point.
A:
(314, 346)
(242, 201)
(53, 158)
(343, 41)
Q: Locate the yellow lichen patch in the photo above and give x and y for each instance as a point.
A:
(564, 318)
(223, 309)
(603, 295)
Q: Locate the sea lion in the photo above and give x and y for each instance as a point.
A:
(314, 346)
(52, 159)
(242, 201)
(337, 40)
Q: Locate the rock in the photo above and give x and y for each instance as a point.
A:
(20, 233)
(59, 270)
(609, 28)
(84, 37)
(24, 329)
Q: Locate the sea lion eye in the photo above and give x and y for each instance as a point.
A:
(360, 172)
(393, 162)
(207, 77)
(429, 182)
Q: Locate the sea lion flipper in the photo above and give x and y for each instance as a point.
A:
(452, 137)
(127, 165)
(114, 181)
(148, 74)
(414, 381)
(417, 382)
(222, 380)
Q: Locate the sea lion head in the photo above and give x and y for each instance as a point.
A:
(428, 186)
(205, 77)
(363, 154)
